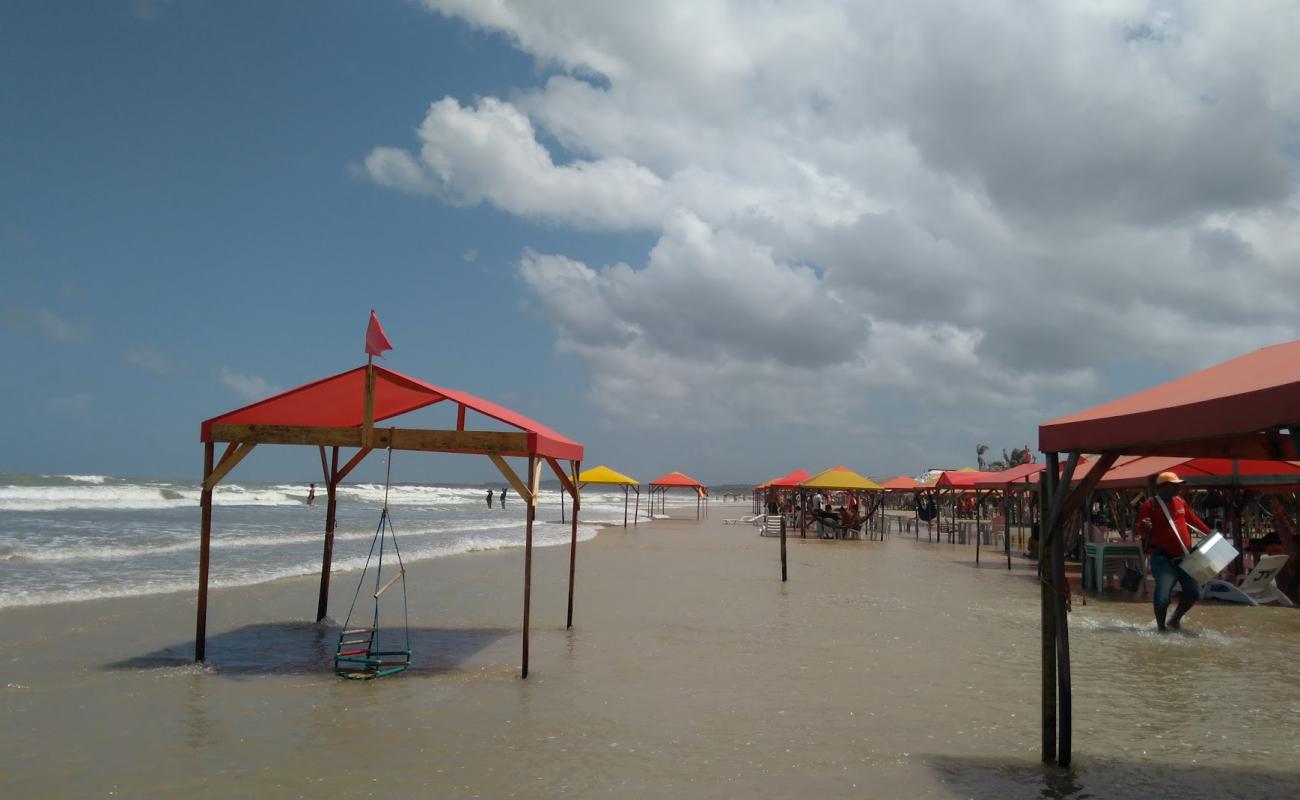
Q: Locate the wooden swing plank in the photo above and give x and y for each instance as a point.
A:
(400, 573)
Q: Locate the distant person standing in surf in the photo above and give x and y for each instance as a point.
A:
(489, 498)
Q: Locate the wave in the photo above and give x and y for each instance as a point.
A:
(89, 495)
(55, 553)
(127, 588)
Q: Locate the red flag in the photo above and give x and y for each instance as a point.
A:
(376, 341)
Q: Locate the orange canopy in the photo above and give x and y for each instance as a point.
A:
(902, 483)
(1234, 409)
(339, 402)
(677, 479)
(789, 481)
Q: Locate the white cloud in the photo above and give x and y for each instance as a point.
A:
(969, 212)
(44, 322)
(490, 153)
(249, 387)
(151, 360)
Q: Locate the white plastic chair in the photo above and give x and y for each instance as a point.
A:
(1256, 589)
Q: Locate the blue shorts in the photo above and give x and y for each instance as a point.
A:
(1166, 573)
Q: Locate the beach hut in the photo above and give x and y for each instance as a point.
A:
(677, 480)
(1244, 408)
(340, 412)
(608, 477)
(1014, 486)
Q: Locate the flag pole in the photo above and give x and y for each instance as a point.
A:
(368, 427)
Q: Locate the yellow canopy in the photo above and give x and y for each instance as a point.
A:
(603, 474)
(840, 477)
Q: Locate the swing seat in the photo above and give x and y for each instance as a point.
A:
(366, 663)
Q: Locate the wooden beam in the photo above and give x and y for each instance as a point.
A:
(512, 443)
(512, 478)
(460, 416)
(564, 479)
(324, 464)
(339, 475)
(530, 511)
(211, 481)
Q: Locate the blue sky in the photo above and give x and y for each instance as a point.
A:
(684, 242)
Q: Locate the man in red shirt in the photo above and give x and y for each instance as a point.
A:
(1167, 540)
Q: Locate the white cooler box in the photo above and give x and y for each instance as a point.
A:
(1209, 558)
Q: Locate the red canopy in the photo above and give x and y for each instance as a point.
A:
(339, 402)
(677, 479)
(954, 479)
(1234, 409)
(789, 481)
(902, 483)
(1003, 480)
(1134, 473)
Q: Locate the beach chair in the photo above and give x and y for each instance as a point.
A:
(756, 519)
(770, 525)
(1256, 589)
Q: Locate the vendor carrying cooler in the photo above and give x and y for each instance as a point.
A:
(1162, 523)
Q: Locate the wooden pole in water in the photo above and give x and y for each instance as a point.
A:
(1061, 595)
(636, 509)
(784, 575)
(573, 536)
(528, 557)
(1006, 523)
(327, 557)
(624, 505)
(205, 548)
(1047, 614)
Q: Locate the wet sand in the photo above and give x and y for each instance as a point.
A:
(882, 669)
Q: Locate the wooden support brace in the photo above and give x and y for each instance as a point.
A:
(324, 464)
(510, 476)
(564, 479)
(352, 462)
(227, 465)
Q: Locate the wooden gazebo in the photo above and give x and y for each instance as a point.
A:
(604, 475)
(1245, 408)
(677, 480)
(340, 412)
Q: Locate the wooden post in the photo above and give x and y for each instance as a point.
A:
(205, 548)
(573, 537)
(530, 508)
(1064, 694)
(1006, 523)
(562, 490)
(978, 538)
(1047, 613)
(783, 567)
(636, 510)
(327, 557)
(625, 492)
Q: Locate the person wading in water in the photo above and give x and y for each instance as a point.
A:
(1165, 537)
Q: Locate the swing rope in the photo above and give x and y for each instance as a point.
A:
(373, 662)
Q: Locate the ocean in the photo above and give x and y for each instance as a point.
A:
(67, 538)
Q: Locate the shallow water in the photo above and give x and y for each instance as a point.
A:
(882, 669)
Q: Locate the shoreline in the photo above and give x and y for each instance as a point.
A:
(881, 669)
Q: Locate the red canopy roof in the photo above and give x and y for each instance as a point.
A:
(902, 483)
(1134, 473)
(677, 479)
(339, 402)
(1003, 479)
(1234, 409)
(789, 481)
(956, 479)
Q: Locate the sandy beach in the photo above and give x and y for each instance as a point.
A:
(881, 669)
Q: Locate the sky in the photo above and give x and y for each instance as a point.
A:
(728, 238)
